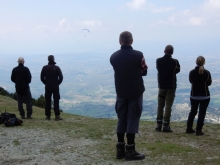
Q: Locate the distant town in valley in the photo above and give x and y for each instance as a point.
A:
(88, 85)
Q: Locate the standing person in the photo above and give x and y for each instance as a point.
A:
(21, 76)
(129, 67)
(52, 77)
(167, 68)
(200, 79)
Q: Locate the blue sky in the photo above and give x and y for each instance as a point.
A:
(55, 26)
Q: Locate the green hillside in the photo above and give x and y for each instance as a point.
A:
(84, 140)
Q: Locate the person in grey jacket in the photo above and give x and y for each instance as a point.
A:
(129, 67)
(21, 76)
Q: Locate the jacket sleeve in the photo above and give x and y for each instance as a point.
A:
(177, 69)
(190, 80)
(13, 76)
(28, 76)
(60, 76)
(209, 82)
(42, 78)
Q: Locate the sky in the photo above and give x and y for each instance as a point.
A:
(30, 27)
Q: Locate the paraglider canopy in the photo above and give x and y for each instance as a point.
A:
(86, 30)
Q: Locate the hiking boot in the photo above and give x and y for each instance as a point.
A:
(29, 117)
(23, 117)
(132, 154)
(190, 130)
(199, 133)
(47, 118)
(120, 147)
(159, 126)
(58, 118)
(166, 127)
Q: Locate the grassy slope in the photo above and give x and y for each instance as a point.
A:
(159, 148)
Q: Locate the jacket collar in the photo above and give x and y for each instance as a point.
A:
(51, 62)
(126, 47)
(20, 64)
(167, 55)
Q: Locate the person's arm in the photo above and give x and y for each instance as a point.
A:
(209, 82)
(177, 68)
(13, 76)
(60, 76)
(42, 78)
(144, 67)
(190, 80)
(28, 76)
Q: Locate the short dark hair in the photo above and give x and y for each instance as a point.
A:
(168, 49)
(50, 58)
(125, 37)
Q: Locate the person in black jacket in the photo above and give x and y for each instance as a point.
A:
(129, 67)
(200, 79)
(52, 77)
(167, 68)
(21, 76)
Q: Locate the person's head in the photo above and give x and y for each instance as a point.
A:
(125, 38)
(169, 49)
(21, 60)
(200, 61)
(51, 58)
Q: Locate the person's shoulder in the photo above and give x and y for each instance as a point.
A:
(206, 71)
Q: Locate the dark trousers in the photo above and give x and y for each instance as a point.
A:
(129, 113)
(56, 98)
(27, 99)
(202, 104)
(165, 97)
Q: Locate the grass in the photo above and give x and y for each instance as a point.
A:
(159, 148)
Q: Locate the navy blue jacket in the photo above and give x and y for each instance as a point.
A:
(126, 63)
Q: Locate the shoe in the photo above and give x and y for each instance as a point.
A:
(132, 154)
(23, 117)
(47, 118)
(29, 117)
(120, 147)
(58, 118)
(199, 133)
(166, 127)
(190, 130)
(159, 126)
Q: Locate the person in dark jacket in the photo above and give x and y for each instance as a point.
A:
(167, 68)
(200, 79)
(52, 77)
(129, 67)
(21, 76)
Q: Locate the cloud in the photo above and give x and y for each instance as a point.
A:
(163, 9)
(62, 22)
(89, 23)
(207, 13)
(137, 4)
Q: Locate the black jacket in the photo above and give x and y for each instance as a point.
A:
(126, 63)
(167, 68)
(200, 82)
(51, 76)
(21, 76)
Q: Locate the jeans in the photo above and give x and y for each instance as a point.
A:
(56, 98)
(165, 97)
(129, 113)
(27, 99)
(202, 104)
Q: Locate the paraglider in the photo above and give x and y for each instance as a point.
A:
(85, 31)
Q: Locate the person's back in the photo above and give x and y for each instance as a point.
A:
(167, 69)
(200, 82)
(128, 73)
